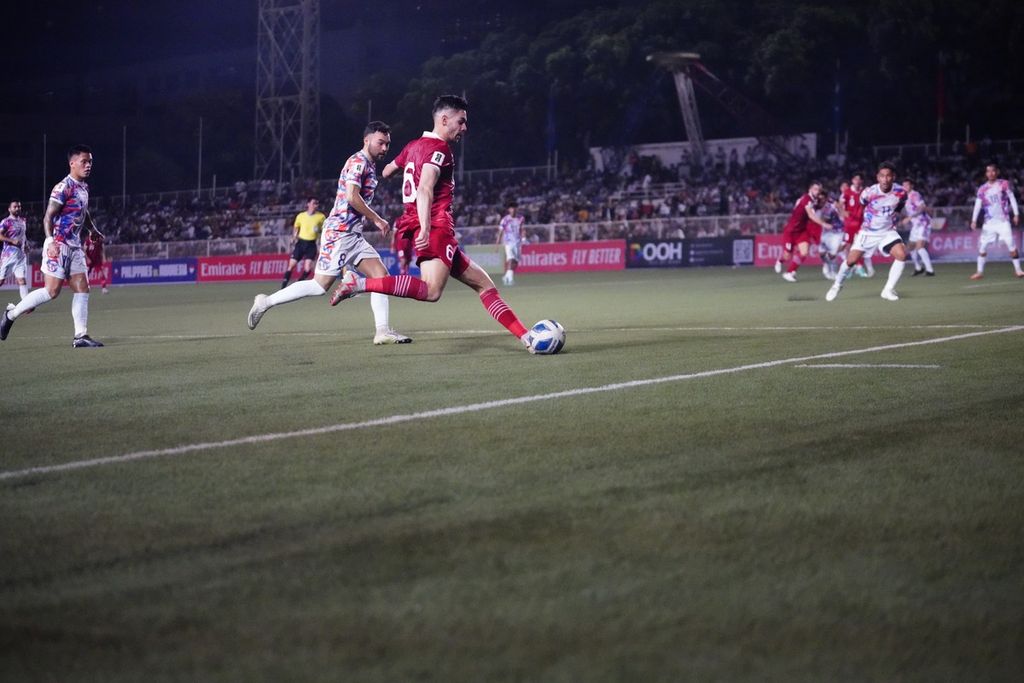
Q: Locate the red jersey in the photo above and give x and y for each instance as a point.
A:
(854, 209)
(428, 149)
(93, 252)
(798, 219)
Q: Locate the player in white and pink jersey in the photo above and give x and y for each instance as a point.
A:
(920, 229)
(67, 215)
(427, 165)
(831, 243)
(511, 234)
(342, 244)
(12, 248)
(995, 197)
(882, 206)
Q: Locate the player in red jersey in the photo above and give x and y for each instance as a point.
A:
(798, 233)
(853, 217)
(428, 166)
(94, 258)
(402, 245)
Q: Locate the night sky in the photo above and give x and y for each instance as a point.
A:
(44, 38)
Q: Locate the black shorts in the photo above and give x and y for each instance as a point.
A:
(304, 250)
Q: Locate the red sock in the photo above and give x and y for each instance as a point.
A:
(500, 311)
(794, 263)
(405, 286)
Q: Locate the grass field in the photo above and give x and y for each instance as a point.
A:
(749, 516)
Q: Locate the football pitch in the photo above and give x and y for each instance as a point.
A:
(722, 477)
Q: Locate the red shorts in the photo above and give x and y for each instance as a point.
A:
(814, 233)
(791, 237)
(850, 231)
(443, 246)
(403, 243)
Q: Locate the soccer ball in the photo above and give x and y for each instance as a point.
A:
(548, 338)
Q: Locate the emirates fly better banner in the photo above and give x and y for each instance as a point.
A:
(559, 257)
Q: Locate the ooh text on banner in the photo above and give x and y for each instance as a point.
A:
(702, 251)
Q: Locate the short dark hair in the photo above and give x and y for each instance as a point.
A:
(376, 127)
(512, 204)
(449, 102)
(993, 165)
(909, 180)
(78, 149)
(312, 199)
(887, 165)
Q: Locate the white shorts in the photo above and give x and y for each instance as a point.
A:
(831, 242)
(512, 252)
(70, 260)
(868, 242)
(16, 264)
(996, 231)
(920, 233)
(340, 250)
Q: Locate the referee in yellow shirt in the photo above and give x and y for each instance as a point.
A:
(304, 240)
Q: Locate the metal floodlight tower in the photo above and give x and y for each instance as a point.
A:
(681, 65)
(287, 139)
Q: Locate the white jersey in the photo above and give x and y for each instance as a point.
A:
(997, 201)
(511, 230)
(881, 209)
(12, 227)
(917, 211)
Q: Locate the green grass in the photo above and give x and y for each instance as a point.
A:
(778, 523)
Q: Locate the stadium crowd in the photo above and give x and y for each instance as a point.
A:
(638, 188)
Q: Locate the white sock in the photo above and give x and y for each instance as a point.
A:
(925, 258)
(868, 265)
(31, 300)
(80, 313)
(23, 289)
(844, 272)
(981, 264)
(1016, 264)
(381, 307)
(914, 256)
(296, 290)
(895, 271)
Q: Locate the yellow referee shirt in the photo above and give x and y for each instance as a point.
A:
(309, 225)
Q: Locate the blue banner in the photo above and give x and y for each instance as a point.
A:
(154, 271)
(390, 261)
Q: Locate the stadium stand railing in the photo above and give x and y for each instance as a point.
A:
(953, 218)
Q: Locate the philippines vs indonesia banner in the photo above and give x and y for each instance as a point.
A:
(153, 271)
(557, 257)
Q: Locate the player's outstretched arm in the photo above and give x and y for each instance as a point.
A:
(93, 228)
(355, 200)
(389, 170)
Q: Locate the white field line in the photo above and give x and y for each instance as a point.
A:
(866, 365)
(497, 331)
(475, 407)
(1003, 283)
